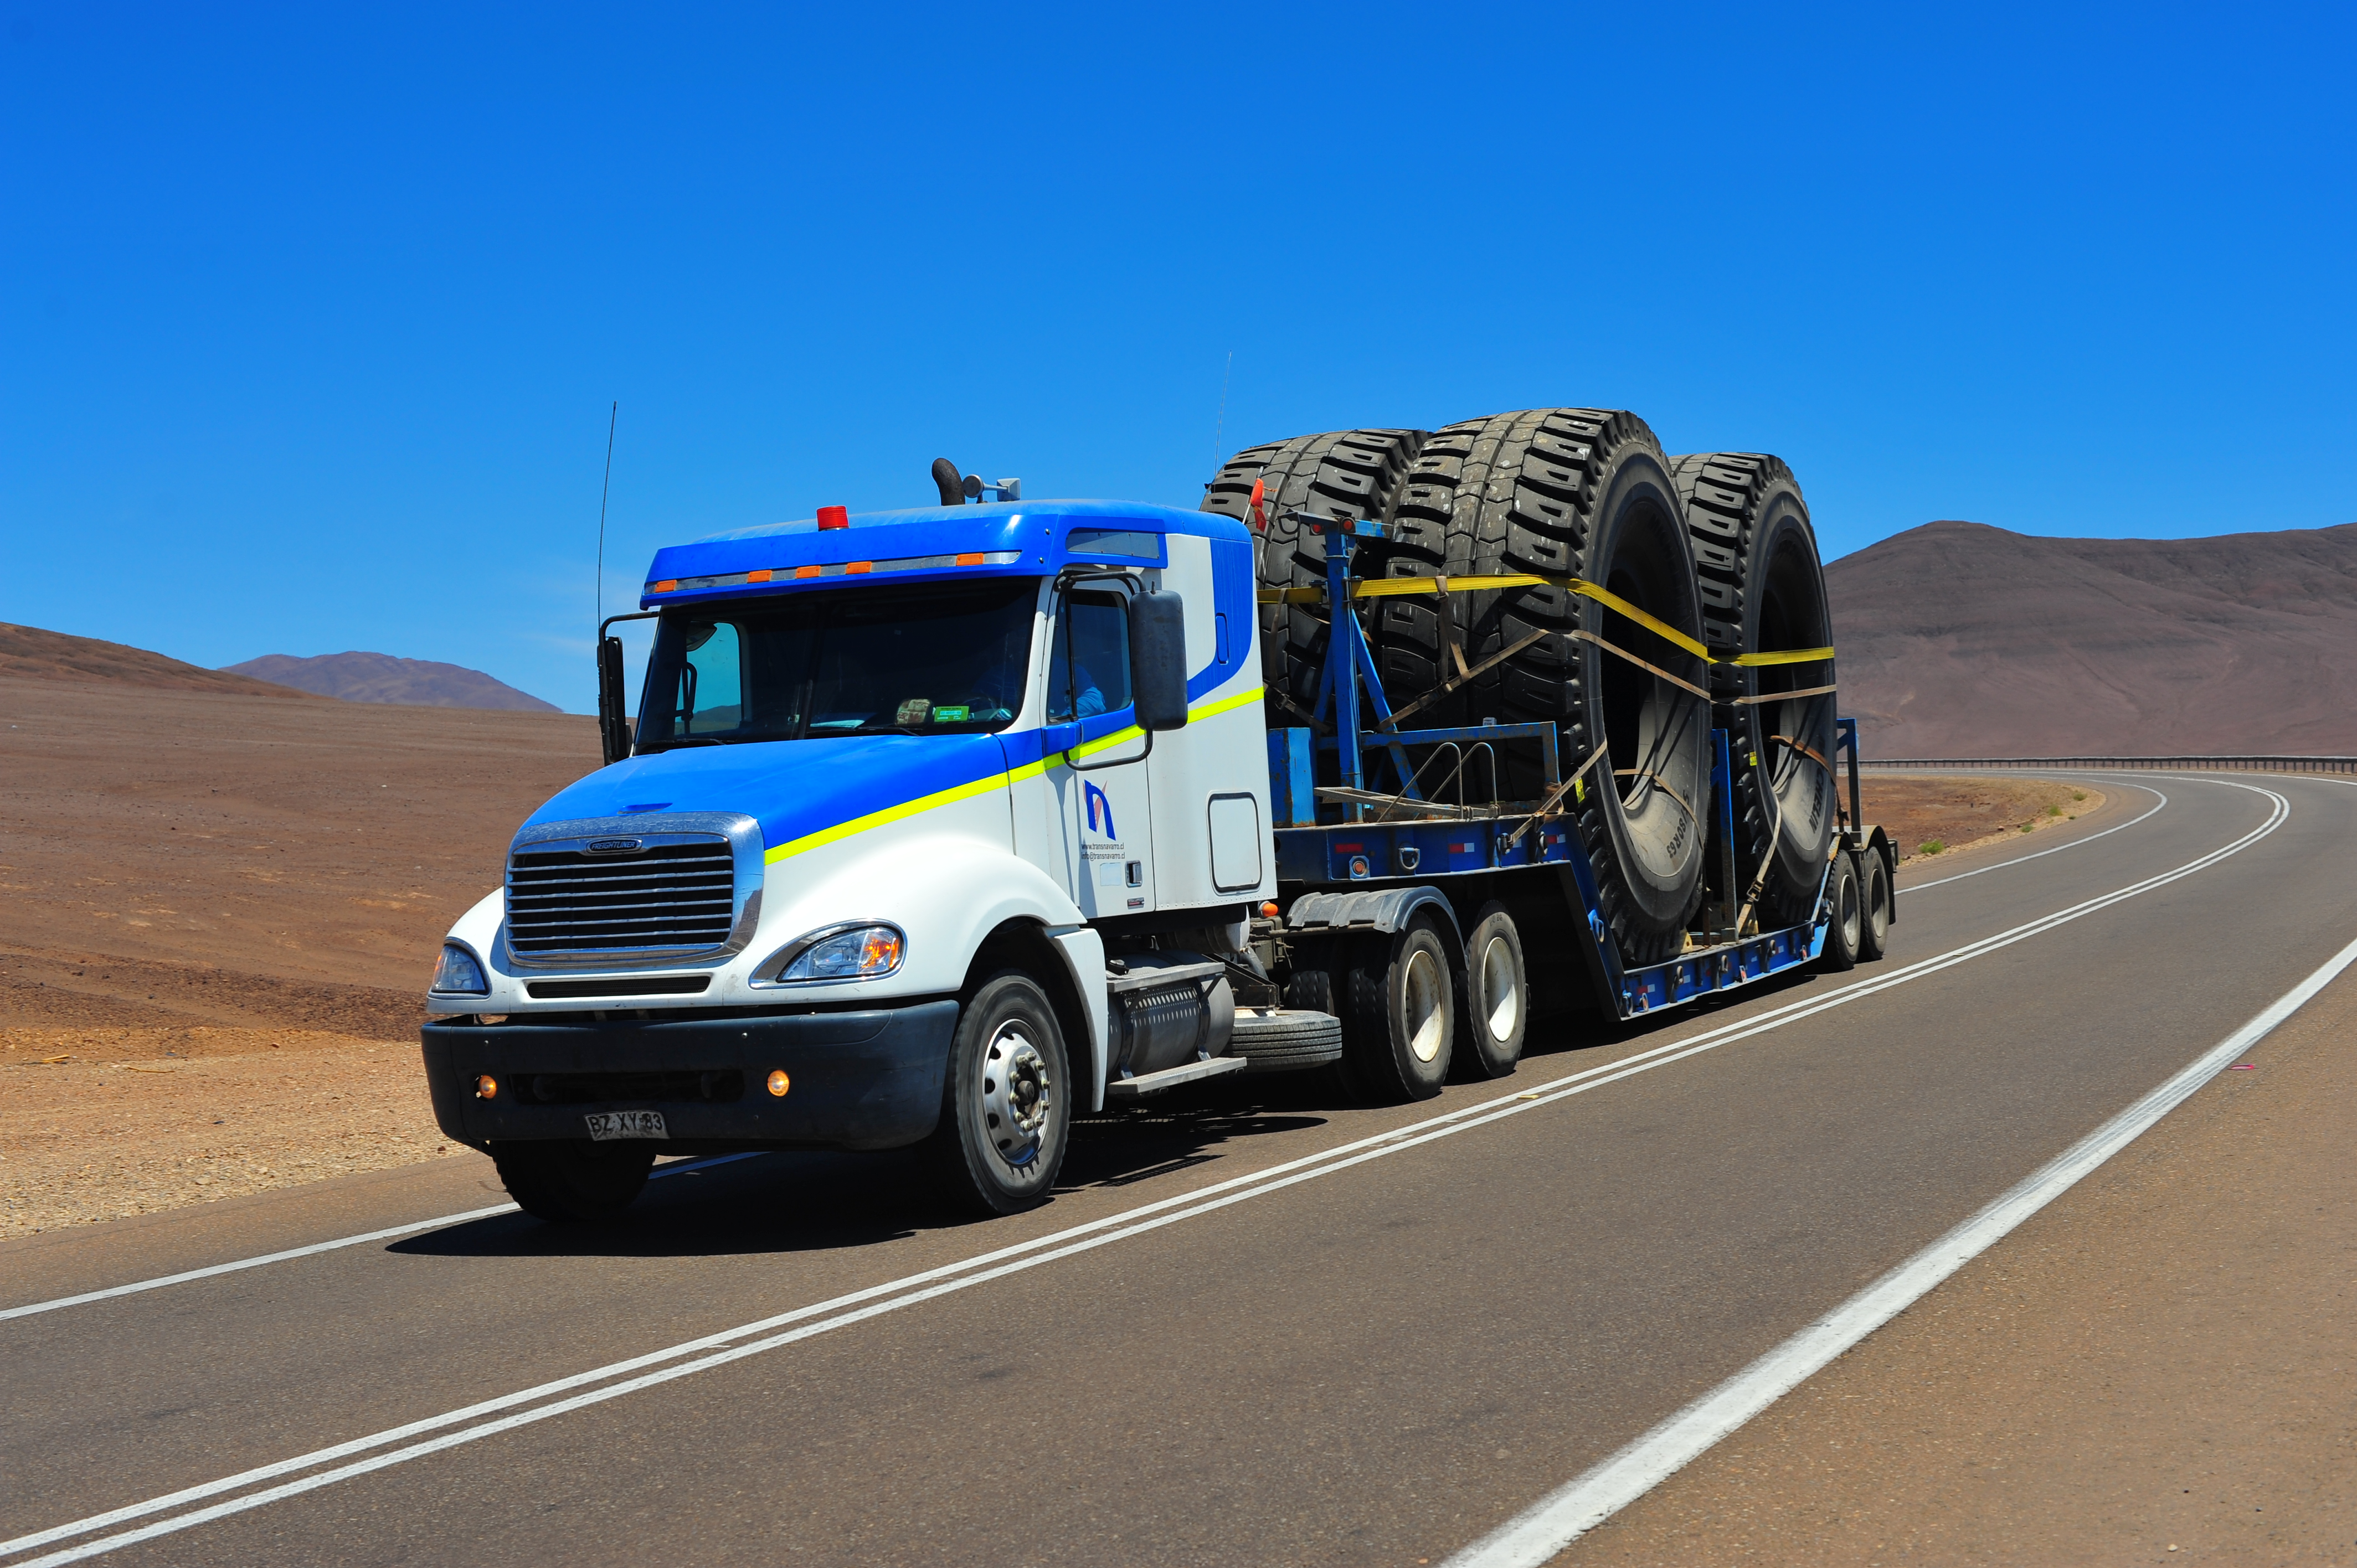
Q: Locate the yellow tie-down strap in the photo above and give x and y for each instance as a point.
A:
(1394, 587)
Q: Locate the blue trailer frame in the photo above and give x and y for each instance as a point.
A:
(1447, 842)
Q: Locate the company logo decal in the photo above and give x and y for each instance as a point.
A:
(1095, 799)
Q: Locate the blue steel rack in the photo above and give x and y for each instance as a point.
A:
(1438, 840)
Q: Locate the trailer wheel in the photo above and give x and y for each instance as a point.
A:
(1874, 931)
(1353, 473)
(1763, 591)
(1007, 1112)
(1399, 1013)
(1497, 997)
(573, 1180)
(1844, 927)
(1585, 493)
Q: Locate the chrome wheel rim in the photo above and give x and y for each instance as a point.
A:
(1849, 920)
(1420, 995)
(1501, 999)
(1017, 1096)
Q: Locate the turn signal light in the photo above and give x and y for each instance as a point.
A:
(1268, 910)
(835, 516)
(487, 1087)
(780, 1083)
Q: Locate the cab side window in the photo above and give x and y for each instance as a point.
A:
(1088, 672)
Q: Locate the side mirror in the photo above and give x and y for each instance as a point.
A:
(1157, 661)
(613, 728)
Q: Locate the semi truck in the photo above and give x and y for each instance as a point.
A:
(948, 826)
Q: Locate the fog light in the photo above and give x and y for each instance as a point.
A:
(780, 1083)
(487, 1087)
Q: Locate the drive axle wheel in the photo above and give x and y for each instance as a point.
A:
(1007, 1112)
(1497, 997)
(567, 1180)
(1399, 1013)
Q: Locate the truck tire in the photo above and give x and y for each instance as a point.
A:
(1496, 995)
(1399, 1013)
(570, 1181)
(1874, 929)
(1585, 493)
(1763, 591)
(1007, 1108)
(1286, 1039)
(1354, 473)
(1846, 919)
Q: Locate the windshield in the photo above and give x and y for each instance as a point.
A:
(925, 659)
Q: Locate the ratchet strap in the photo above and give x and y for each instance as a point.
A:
(1395, 587)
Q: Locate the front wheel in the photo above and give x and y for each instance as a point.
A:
(570, 1180)
(1007, 1112)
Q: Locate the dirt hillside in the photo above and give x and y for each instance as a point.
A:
(29, 651)
(1958, 639)
(217, 914)
(382, 678)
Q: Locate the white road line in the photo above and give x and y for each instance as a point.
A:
(1926, 887)
(717, 1350)
(1536, 1535)
(315, 1248)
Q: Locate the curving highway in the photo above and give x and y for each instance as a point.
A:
(1255, 1326)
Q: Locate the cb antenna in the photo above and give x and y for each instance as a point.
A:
(603, 491)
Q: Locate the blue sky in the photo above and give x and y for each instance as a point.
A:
(310, 318)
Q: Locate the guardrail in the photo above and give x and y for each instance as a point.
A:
(2204, 764)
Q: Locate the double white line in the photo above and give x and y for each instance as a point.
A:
(418, 1439)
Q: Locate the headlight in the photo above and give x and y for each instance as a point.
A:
(836, 952)
(459, 973)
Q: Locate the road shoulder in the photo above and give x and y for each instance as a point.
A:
(2155, 1367)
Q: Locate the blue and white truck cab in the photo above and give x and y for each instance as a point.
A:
(935, 825)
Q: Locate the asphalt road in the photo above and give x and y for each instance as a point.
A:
(1256, 1327)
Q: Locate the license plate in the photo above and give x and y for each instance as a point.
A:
(606, 1125)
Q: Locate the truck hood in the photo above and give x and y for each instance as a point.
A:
(799, 790)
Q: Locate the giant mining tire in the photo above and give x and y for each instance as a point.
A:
(1763, 591)
(1348, 473)
(1582, 493)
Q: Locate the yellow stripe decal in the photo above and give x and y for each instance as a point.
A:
(825, 836)
(983, 786)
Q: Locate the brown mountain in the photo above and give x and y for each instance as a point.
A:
(382, 678)
(1958, 639)
(29, 651)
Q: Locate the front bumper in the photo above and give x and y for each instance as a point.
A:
(865, 1079)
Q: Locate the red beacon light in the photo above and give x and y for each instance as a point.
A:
(834, 517)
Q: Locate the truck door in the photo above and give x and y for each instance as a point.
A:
(1102, 795)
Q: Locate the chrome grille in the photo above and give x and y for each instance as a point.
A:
(674, 896)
